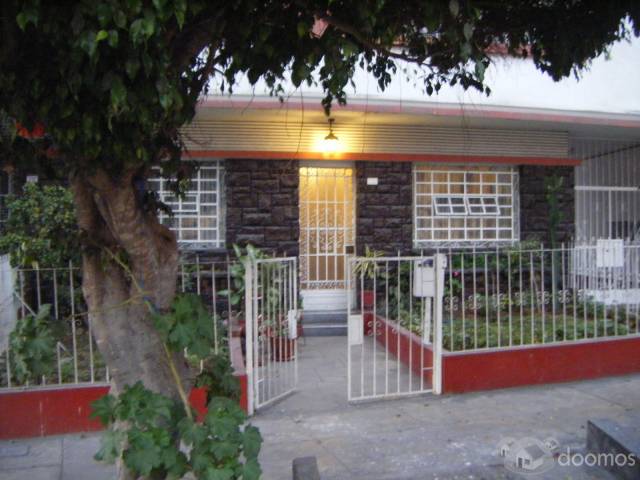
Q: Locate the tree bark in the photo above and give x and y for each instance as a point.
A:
(118, 299)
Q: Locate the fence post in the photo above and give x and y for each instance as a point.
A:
(440, 261)
(248, 312)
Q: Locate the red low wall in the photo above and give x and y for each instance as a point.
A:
(51, 411)
(486, 370)
(480, 370)
(58, 410)
(412, 351)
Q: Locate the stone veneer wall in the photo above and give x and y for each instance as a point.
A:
(384, 212)
(262, 204)
(534, 209)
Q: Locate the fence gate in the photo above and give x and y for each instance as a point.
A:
(395, 326)
(271, 308)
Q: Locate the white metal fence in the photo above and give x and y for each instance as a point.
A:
(77, 360)
(395, 326)
(513, 297)
(492, 299)
(271, 304)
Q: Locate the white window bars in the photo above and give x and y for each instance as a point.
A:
(198, 217)
(607, 188)
(464, 205)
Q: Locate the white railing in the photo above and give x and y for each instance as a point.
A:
(395, 326)
(77, 360)
(514, 297)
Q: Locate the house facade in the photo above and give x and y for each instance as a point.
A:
(401, 179)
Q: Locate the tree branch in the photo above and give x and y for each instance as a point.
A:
(370, 44)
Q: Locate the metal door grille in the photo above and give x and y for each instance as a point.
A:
(326, 225)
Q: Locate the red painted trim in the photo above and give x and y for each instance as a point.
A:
(486, 370)
(391, 157)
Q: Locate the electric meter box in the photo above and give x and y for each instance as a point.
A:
(424, 278)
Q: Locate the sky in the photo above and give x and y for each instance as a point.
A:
(611, 85)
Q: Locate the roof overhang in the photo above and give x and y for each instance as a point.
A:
(262, 127)
(383, 111)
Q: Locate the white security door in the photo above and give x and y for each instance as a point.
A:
(326, 235)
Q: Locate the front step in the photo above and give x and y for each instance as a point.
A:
(326, 323)
(608, 437)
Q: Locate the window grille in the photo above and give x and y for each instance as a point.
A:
(197, 218)
(464, 205)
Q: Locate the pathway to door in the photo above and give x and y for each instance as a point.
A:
(426, 436)
(322, 375)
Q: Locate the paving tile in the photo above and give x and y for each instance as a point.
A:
(42, 452)
(33, 473)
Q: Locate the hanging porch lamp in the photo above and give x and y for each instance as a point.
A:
(331, 143)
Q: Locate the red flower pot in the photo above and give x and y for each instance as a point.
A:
(368, 298)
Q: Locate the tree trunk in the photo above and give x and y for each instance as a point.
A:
(119, 300)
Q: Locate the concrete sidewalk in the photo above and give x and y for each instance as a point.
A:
(452, 436)
(68, 457)
(423, 437)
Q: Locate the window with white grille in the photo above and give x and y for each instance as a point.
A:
(197, 217)
(464, 205)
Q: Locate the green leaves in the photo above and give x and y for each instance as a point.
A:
(219, 442)
(188, 326)
(111, 445)
(102, 35)
(144, 452)
(142, 29)
(29, 14)
(118, 94)
(252, 442)
(32, 347)
(151, 429)
(104, 409)
(218, 378)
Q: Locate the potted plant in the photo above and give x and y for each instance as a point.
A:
(236, 290)
(365, 271)
(281, 347)
(273, 321)
(273, 325)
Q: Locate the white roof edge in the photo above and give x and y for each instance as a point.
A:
(413, 107)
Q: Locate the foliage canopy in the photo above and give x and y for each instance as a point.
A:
(112, 82)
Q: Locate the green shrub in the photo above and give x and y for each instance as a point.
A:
(41, 228)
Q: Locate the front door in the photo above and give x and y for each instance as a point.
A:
(326, 234)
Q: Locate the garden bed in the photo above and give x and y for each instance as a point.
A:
(53, 410)
(493, 368)
(497, 329)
